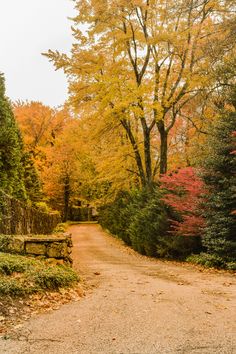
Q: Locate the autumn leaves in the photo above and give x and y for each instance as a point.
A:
(143, 67)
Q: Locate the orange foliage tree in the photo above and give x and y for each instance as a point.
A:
(71, 177)
(39, 125)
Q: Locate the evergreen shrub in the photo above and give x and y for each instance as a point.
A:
(219, 175)
(21, 275)
(141, 219)
(211, 261)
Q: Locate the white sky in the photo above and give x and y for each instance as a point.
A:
(28, 28)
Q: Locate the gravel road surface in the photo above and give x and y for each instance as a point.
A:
(134, 305)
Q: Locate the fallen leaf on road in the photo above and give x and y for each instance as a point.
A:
(227, 284)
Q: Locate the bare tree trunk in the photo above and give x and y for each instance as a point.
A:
(137, 155)
(147, 153)
(66, 197)
(163, 147)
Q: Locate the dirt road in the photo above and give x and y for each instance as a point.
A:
(134, 305)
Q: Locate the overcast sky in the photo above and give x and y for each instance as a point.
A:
(28, 28)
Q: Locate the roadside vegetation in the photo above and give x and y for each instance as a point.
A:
(22, 276)
(31, 285)
(190, 214)
(148, 133)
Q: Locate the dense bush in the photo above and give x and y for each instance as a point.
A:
(148, 223)
(20, 275)
(141, 219)
(138, 218)
(116, 216)
(178, 247)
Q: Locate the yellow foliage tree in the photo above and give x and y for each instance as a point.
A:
(139, 63)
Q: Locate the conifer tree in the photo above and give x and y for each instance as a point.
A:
(31, 178)
(11, 168)
(220, 178)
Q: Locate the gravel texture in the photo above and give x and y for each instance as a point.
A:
(134, 305)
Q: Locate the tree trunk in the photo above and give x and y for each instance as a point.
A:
(66, 197)
(148, 161)
(163, 147)
(137, 155)
(147, 153)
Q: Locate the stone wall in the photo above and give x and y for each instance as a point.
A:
(16, 218)
(53, 246)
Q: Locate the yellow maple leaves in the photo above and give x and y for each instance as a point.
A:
(139, 64)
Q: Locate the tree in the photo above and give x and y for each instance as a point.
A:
(67, 170)
(220, 178)
(138, 64)
(32, 181)
(11, 149)
(40, 125)
(110, 155)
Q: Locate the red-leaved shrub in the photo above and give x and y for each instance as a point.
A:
(184, 190)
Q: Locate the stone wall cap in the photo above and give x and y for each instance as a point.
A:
(45, 238)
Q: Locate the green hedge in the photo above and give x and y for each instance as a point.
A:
(141, 220)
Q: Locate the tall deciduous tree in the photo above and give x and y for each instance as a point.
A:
(138, 64)
(66, 170)
(40, 125)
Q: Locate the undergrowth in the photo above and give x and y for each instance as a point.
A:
(21, 275)
(211, 261)
(4, 241)
(60, 228)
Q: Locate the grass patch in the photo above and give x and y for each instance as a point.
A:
(20, 275)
